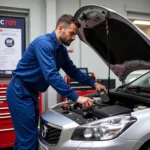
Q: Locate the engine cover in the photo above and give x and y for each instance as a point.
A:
(109, 111)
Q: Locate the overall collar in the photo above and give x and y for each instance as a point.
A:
(55, 40)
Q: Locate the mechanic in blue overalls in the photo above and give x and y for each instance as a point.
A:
(39, 68)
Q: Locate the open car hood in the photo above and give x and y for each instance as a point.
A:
(115, 39)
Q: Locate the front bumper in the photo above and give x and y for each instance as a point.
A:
(116, 144)
(67, 126)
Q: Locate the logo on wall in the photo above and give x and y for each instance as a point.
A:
(9, 42)
(7, 22)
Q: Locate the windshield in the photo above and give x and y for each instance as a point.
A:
(143, 81)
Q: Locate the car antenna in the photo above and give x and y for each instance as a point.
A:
(108, 48)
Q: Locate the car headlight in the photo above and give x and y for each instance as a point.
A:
(104, 129)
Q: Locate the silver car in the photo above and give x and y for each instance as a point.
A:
(119, 120)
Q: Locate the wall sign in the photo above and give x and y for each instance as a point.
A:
(12, 43)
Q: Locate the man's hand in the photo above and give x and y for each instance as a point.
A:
(100, 87)
(85, 101)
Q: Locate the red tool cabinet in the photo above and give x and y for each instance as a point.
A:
(7, 135)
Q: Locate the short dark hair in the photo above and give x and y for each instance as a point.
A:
(68, 19)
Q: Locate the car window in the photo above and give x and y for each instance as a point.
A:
(142, 81)
(135, 74)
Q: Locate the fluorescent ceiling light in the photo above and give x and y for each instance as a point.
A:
(140, 22)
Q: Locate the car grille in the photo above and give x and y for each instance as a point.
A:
(50, 134)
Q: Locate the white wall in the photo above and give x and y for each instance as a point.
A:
(51, 12)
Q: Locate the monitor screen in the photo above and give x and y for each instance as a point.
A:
(84, 70)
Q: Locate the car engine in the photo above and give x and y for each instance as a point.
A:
(103, 107)
(116, 103)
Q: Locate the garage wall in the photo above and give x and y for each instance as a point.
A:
(51, 13)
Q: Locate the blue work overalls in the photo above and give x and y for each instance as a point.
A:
(38, 69)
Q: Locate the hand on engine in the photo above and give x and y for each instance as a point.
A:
(85, 101)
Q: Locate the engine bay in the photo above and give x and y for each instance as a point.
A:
(104, 106)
